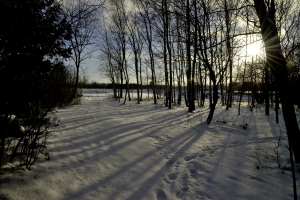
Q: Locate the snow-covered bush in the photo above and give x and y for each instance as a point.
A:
(24, 138)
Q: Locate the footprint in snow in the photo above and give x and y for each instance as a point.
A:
(182, 192)
(170, 162)
(193, 172)
(173, 176)
(189, 157)
(159, 139)
(212, 151)
(204, 195)
(201, 155)
(161, 195)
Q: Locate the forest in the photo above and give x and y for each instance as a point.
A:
(191, 48)
(189, 53)
(225, 40)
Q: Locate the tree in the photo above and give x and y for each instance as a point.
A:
(208, 49)
(27, 54)
(136, 46)
(161, 22)
(146, 17)
(189, 77)
(83, 17)
(106, 56)
(118, 29)
(230, 52)
(168, 46)
(33, 37)
(277, 64)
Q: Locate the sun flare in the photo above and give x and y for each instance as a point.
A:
(254, 49)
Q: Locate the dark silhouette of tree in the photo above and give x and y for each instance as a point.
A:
(33, 37)
(83, 17)
(147, 15)
(277, 64)
(201, 39)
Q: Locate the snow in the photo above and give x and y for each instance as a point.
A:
(103, 149)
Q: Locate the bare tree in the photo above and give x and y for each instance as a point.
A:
(191, 102)
(146, 18)
(277, 63)
(107, 58)
(118, 23)
(82, 16)
(135, 42)
(208, 32)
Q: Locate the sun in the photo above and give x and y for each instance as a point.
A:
(254, 49)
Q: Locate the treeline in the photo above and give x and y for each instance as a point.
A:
(237, 87)
(96, 85)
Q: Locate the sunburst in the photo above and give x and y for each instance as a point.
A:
(254, 49)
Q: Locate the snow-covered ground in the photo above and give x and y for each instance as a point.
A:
(104, 149)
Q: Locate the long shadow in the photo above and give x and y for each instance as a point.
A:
(253, 133)
(139, 192)
(77, 140)
(99, 157)
(103, 132)
(112, 149)
(178, 153)
(100, 137)
(125, 168)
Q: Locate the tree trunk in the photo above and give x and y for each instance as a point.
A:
(267, 96)
(126, 91)
(229, 50)
(191, 102)
(121, 86)
(277, 63)
(141, 80)
(165, 53)
(194, 57)
(76, 82)
(202, 93)
(276, 107)
(137, 76)
(210, 94)
(242, 88)
(170, 57)
(214, 98)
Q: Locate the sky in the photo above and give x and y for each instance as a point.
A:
(91, 69)
(91, 66)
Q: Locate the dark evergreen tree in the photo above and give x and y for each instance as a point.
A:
(32, 43)
(33, 36)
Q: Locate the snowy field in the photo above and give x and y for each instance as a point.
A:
(106, 150)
